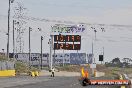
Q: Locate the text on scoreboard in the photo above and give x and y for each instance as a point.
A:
(67, 38)
(67, 42)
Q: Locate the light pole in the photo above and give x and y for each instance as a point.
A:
(10, 1)
(29, 47)
(41, 50)
(13, 40)
(51, 47)
(103, 30)
(94, 43)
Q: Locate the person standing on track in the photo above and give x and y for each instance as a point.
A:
(53, 72)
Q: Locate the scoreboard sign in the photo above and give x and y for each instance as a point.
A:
(67, 38)
(67, 42)
(67, 46)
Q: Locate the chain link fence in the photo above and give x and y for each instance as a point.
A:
(7, 65)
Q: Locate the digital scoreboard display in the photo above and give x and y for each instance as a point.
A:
(67, 42)
(67, 46)
(67, 38)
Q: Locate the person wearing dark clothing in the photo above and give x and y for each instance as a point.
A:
(53, 72)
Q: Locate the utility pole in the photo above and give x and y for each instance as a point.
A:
(8, 30)
(10, 1)
(50, 42)
(13, 40)
(29, 46)
(94, 42)
(54, 55)
(41, 51)
(103, 54)
(93, 59)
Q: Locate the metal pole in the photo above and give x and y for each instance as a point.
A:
(29, 47)
(8, 30)
(50, 42)
(50, 54)
(51, 51)
(41, 51)
(13, 40)
(86, 58)
(94, 43)
(93, 54)
(77, 57)
(63, 57)
(93, 59)
(103, 54)
(54, 56)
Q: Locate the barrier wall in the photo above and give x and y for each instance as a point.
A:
(7, 73)
(7, 68)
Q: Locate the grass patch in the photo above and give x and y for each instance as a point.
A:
(22, 67)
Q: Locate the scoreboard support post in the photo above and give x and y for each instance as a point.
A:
(63, 57)
(51, 47)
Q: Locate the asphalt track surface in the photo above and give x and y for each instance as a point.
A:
(58, 82)
(55, 82)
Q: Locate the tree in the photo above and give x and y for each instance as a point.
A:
(125, 64)
(127, 60)
(116, 61)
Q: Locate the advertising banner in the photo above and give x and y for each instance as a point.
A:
(59, 28)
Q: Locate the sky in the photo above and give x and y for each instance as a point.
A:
(117, 41)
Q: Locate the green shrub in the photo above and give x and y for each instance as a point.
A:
(21, 67)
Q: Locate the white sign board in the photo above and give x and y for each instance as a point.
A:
(59, 28)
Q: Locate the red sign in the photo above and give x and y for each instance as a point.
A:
(109, 82)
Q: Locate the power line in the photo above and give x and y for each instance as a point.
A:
(29, 18)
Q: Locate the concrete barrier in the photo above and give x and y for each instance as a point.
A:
(7, 73)
(34, 73)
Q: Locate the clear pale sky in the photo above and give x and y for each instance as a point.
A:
(117, 41)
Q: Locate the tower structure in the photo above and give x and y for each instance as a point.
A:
(19, 27)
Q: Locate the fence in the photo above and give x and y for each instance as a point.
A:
(7, 65)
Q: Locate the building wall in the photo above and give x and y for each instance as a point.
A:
(69, 58)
